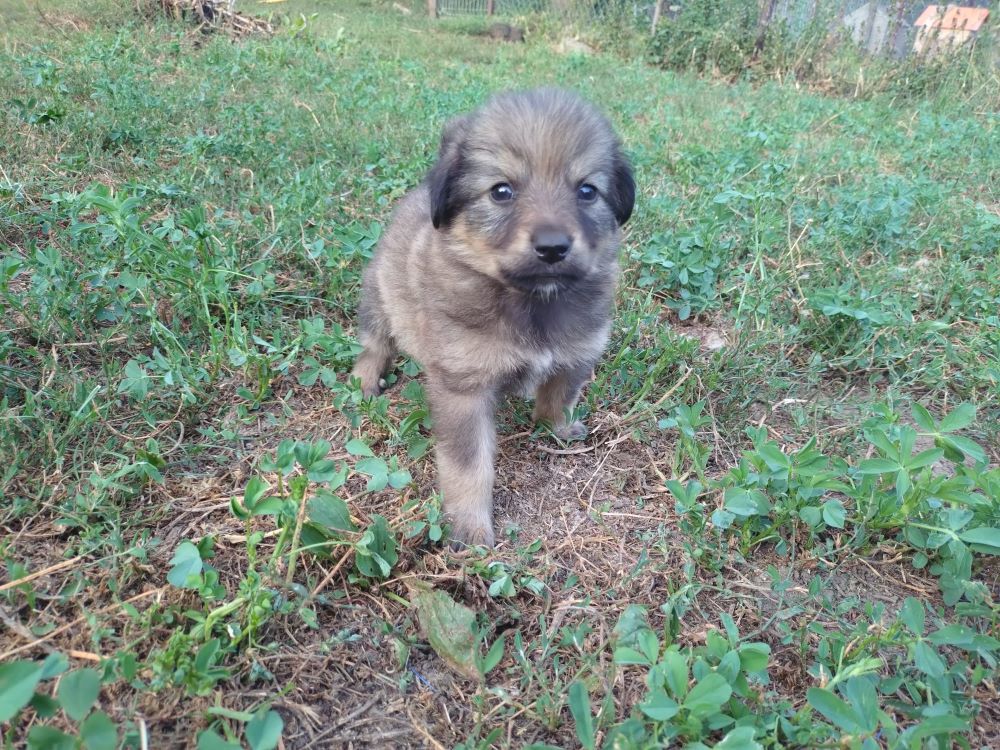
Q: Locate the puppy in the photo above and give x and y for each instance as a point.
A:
(497, 275)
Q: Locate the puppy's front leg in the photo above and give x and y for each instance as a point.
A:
(557, 397)
(466, 441)
(379, 349)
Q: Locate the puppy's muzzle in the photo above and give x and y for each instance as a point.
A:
(551, 245)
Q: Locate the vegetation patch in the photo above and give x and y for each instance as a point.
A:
(782, 530)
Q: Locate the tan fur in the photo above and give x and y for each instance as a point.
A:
(459, 282)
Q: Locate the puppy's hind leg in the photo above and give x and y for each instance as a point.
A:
(466, 443)
(379, 348)
(556, 398)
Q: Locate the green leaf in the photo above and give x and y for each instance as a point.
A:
(878, 466)
(754, 656)
(209, 740)
(579, 707)
(269, 506)
(253, 492)
(78, 691)
(922, 417)
(308, 454)
(322, 471)
(635, 642)
(924, 458)
(372, 466)
(399, 479)
(377, 482)
(264, 730)
(956, 445)
(358, 448)
(98, 732)
(375, 553)
(329, 511)
(811, 516)
(959, 636)
(834, 709)
(744, 502)
(722, 519)
(49, 738)
(947, 724)
(186, 566)
(659, 706)
(740, 738)
(708, 695)
(448, 626)
(17, 684)
(773, 457)
(205, 658)
(631, 622)
(502, 586)
(45, 706)
(834, 514)
(926, 659)
(959, 419)
(493, 656)
(912, 615)
(674, 668)
(237, 509)
(55, 664)
(983, 539)
(860, 691)
(229, 713)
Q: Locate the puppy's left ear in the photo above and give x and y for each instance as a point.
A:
(622, 194)
(441, 179)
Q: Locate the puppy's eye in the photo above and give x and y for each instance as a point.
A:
(502, 192)
(586, 192)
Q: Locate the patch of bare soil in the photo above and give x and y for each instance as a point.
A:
(711, 334)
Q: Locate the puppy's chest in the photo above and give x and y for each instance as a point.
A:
(533, 370)
(538, 364)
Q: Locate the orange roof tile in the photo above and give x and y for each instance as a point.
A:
(953, 17)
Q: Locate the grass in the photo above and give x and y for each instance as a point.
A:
(781, 533)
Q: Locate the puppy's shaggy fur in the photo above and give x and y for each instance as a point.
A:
(497, 274)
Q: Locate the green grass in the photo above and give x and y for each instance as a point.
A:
(788, 541)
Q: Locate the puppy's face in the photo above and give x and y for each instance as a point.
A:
(531, 190)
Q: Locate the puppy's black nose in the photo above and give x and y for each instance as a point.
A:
(551, 245)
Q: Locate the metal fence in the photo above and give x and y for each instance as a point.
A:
(491, 7)
(877, 26)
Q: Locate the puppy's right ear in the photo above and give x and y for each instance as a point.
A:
(442, 177)
(622, 198)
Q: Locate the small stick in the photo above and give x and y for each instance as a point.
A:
(38, 574)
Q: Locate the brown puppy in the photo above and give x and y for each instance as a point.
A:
(497, 274)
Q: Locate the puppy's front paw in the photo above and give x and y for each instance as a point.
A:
(464, 535)
(372, 383)
(573, 431)
(371, 391)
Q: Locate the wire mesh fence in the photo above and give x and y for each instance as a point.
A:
(486, 7)
(894, 28)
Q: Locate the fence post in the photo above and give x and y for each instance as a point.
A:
(763, 22)
(432, 8)
(870, 23)
(489, 7)
(657, 11)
